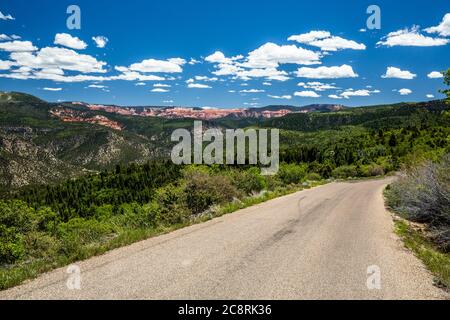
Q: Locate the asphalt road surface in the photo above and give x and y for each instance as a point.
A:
(322, 243)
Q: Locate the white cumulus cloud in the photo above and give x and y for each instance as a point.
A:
(335, 72)
(100, 41)
(317, 86)
(97, 86)
(271, 55)
(326, 42)
(262, 62)
(59, 58)
(6, 17)
(268, 73)
(219, 57)
(355, 93)
(152, 65)
(286, 97)
(159, 90)
(4, 37)
(411, 37)
(348, 93)
(396, 73)
(443, 29)
(66, 40)
(17, 46)
(404, 92)
(193, 61)
(198, 86)
(5, 65)
(306, 94)
(205, 78)
(161, 85)
(252, 91)
(435, 75)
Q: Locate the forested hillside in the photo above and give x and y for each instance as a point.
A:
(36, 146)
(374, 117)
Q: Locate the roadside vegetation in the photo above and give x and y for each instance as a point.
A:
(437, 261)
(421, 198)
(45, 227)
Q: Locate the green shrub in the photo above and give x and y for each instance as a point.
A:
(41, 245)
(11, 245)
(104, 212)
(371, 170)
(204, 190)
(343, 172)
(375, 170)
(292, 173)
(273, 182)
(17, 214)
(79, 232)
(170, 203)
(46, 220)
(313, 176)
(323, 169)
(248, 181)
(135, 216)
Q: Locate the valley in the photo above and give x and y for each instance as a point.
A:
(43, 142)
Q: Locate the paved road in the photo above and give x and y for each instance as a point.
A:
(315, 244)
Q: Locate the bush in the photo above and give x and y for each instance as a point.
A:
(46, 220)
(41, 245)
(372, 170)
(273, 182)
(17, 214)
(204, 190)
(375, 170)
(170, 203)
(323, 169)
(104, 212)
(313, 176)
(422, 194)
(79, 232)
(292, 173)
(135, 216)
(11, 245)
(343, 172)
(248, 181)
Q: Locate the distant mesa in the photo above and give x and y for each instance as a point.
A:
(69, 115)
(274, 111)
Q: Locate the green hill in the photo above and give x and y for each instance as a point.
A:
(37, 147)
(376, 117)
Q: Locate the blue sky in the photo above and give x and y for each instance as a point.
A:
(225, 54)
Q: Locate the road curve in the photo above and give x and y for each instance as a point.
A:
(314, 244)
